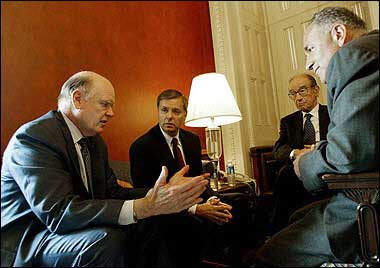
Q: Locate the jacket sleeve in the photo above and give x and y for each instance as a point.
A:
(144, 169)
(282, 148)
(196, 168)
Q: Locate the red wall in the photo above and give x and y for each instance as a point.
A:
(141, 47)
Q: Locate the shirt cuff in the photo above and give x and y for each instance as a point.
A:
(211, 198)
(192, 209)
(127, 213)
(291, 156)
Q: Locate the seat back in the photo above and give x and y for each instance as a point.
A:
(121, 170)
(264, 167)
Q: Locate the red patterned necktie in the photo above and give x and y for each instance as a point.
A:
(177, 153)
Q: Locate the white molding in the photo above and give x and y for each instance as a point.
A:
(224, 63)
(373, 7)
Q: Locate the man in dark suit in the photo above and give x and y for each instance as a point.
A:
(289, 192)
(155, 148)
(345, 56)
(60, 202)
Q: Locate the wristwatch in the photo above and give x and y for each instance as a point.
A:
(292, 156)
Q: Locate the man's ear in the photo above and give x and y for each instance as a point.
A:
(76, 98)
(317, 90)
(339, 34)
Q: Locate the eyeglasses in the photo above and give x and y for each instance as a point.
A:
(303, 91)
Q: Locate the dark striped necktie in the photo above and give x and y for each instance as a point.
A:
(308, 130)
(87, 162)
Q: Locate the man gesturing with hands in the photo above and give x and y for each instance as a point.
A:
(60, 201)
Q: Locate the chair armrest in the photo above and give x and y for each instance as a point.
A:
(362, 188)
(352, 181)
(124, 184)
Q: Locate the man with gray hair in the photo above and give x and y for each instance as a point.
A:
(298, 132)
(345, 56)
(60, 202)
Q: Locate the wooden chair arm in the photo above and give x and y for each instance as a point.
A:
(124, 184)
(362, 188)
(352, 181)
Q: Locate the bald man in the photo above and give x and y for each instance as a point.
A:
(60, 202)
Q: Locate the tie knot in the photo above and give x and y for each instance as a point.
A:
(174, 141)
(83, 142)
(308, 116)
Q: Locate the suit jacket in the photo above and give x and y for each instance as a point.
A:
(42, 189)
(353, 140)
(150, 152)
(352, 145)
(291, 133)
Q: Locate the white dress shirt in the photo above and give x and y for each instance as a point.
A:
(169, 142)
(168, 139)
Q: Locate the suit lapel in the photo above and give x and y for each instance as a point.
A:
(164, 151)
(78, 184)
(97, 169)
(298, 127)
(323, 122)
(186, 146)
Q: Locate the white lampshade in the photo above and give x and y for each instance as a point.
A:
(211, 102)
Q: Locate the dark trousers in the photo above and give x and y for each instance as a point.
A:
(323, 231)
(226, 242)
(161, 241)
(176, 241)
(289, 194)
(97, 246)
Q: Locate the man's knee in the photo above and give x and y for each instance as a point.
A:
(108, 247)
(110, 239)
(97, 246)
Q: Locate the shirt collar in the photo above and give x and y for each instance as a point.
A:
(313, 112)
(74, 131)
(169, 138)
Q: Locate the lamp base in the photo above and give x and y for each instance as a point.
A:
(214, 184)
(214, 178)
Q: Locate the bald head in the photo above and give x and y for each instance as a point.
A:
(83, 81)
(87, 98)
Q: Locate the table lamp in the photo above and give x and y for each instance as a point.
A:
(212, 104)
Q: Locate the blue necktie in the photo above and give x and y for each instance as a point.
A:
(308, 130)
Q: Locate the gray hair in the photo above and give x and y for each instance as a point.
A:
(172, 94)
(328, 16)
(81, 81)
(311, 78)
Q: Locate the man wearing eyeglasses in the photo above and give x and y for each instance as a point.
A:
(298, 132)
(341, 50)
